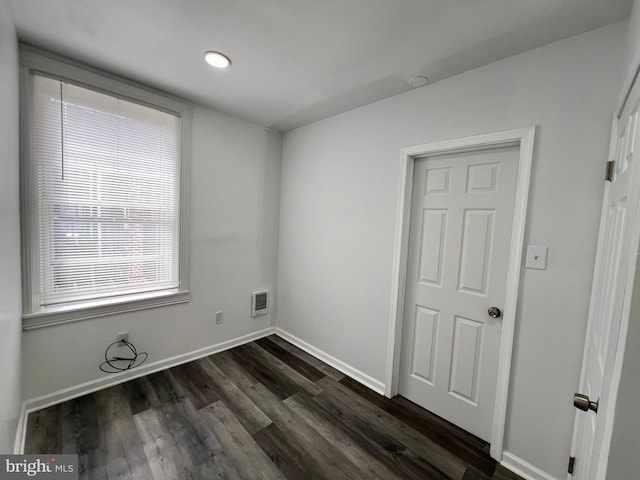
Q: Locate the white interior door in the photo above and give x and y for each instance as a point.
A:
(460, 231)
(616, 254)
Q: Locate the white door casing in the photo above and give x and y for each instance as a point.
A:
(610, 298)
(522, 138)
(461, 217)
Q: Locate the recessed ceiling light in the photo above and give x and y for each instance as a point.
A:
(418, 81)
(216, 59)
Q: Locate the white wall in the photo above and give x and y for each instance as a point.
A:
(10, 304)
(339, 195)
(632, 50)
(235, 193)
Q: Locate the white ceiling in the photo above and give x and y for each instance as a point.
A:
(296, 61)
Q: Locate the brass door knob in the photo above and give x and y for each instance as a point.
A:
(494, 312)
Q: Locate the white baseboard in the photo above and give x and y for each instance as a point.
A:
(69, 393)
(375, 385)
(21, 431)
(524, 468)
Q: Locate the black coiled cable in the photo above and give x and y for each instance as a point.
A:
(121, 364)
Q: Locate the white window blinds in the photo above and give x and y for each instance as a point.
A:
(106, 194)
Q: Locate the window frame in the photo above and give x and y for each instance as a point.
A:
(51, 65)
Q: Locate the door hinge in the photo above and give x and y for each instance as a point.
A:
(609, 173)
(572, 464)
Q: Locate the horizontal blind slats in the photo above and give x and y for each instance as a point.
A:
(107, 193)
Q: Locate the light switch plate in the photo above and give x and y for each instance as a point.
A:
(536, 257)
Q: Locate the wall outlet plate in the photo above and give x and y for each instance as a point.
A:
(219, 317)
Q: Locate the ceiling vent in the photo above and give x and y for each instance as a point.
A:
(259, 303)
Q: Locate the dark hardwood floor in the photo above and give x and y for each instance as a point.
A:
(265, 410)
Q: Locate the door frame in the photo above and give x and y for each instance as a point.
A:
(524, 138)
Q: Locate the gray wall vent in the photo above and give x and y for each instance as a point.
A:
(259, 303)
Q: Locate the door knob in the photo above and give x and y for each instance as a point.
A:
(583, 403)
(494, 312)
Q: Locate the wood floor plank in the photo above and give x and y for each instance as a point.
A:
(461, 443)
(43, 431)
(424, 447)
(125, 457)
(305, 357)
(133, 464)
(171, 455)
(196, 384)
(250, 416)
(245, 454)
(140, 395)
(285, 454)
(80, 424)
(474, 474)
(166, 387)
(502, 473)
(159, 446)
(96, 470)
(379, 443)
(81, 434)
(197, 443)
(278, 384)
(234, 372)
(205, 451)
(277, 366)
(367, 462)
(220, 469)
(401, 407)
(326, 459)
(293, 361)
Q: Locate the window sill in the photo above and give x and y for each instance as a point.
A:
(58, 314)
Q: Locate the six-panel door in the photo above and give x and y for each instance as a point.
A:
(461, 220)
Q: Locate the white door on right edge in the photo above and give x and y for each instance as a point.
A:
(461, 221)
(608, 297)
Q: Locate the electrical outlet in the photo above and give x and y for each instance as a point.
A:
(122, 336)
(219, 318)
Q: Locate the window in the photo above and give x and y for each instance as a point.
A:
(104, 194)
